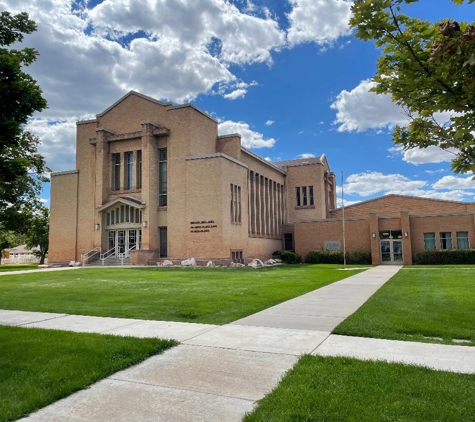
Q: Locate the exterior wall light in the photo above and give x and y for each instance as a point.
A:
(374, 235)
(97, 226)
(144, 224)
(406, 234)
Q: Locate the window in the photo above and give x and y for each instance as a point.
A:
(429, 241)
(236, 256)
(304, 196)
(115, 171)
(162, 174)
(445, 240)
(139, 169)
(163, 242)
(462, 240)
(235, 204)
(129, 170)
(121, 214)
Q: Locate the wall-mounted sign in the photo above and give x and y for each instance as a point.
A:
(332, 245)
(202, 226)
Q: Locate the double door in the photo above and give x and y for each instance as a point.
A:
(391, 247)
(124, 240)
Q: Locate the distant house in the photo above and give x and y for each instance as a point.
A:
(20, 255)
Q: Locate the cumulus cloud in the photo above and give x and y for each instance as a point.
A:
(249, 138)
(306, 155)
(238, 93)
(452, 182)
(360, 109)
(318, 21)
(370, 184)
(58, 142)
(431, 154)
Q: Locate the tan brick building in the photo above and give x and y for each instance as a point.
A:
(154, 181)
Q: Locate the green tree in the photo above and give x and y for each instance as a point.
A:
(428, 69)
(21, 167)
(37, 232)
(8, 239)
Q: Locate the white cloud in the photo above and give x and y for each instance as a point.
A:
(238, 93)
(58, 142)
(372, 184)
(431, 154)
(359, 109)
(434, 171)
(306, 155)
(249, 138)
(270, 122)
(452, 182)
(268, 159)
(318, 21)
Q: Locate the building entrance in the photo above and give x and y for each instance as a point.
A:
(124, 241)
(391, 247)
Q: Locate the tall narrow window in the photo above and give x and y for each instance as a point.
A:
(462, 240)
(235, 204)
(297, 190)
(129, 170)
(116, 171)
(429, 241)
(304, 196)
(445, 240)
(162, 172)
(163, 242)
(139, 169)
(310, 195)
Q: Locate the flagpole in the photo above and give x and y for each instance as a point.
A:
(343, 210)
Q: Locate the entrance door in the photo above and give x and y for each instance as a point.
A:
(391, 248)
(124, 240)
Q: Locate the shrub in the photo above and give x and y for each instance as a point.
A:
(290, 257)
(336, 257)
(446, 257)
(276, 253)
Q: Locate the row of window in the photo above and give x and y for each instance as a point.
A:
(304, 196)
(235, 204)
(123, 214)
(133, 173)
(446, 241)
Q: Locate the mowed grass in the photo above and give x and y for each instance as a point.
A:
(434, 305)
(21, 267)
(38, 367)
(349, 390)
(213, 296)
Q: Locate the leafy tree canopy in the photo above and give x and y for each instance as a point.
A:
(21, 167)
(428, 69)
(37, 232)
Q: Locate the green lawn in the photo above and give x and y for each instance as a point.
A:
(419, 304)
(348, 390)
(21, 267)
(213, 296)
(38, 367)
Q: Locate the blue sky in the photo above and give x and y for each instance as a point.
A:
(287, 74)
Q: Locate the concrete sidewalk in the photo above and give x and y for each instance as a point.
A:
(219, 372)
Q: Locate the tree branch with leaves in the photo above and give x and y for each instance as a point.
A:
(429, 70)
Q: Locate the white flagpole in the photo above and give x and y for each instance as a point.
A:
(343, 210)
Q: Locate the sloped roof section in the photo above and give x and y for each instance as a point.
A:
(126, 200)
(137, 94)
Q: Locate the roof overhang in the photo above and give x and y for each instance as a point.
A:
(127, 200)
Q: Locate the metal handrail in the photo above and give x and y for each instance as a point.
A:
(126, 253)
(85, 256)
(107, 254)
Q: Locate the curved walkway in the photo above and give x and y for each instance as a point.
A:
(219, 372)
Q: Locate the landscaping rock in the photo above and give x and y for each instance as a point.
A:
(190, 262)
(43, 266)
(270, 262)
(74, 264)
(167, 263)
(255, 263)
(232, 264)
(239, 265)
(210, 264)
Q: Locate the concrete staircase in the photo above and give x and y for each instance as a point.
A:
(109, 262)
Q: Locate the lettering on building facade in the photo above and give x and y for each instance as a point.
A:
(202, 226)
